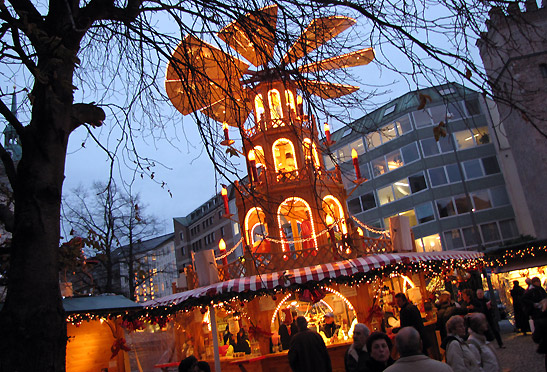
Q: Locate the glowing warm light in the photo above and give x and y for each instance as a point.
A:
(406, 280)
(360, 231)
(252, 156)
(353, 154)
(222, 245)
(329, 220)
(224, 126)
(327, 127)
(224, 192)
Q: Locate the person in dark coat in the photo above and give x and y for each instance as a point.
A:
(288, 329)
(242, 343)
(330, 328)
(483, 306)
(308, 352)
(521, 318)
(469, 304)
(411, 317)
(445, 309)
(357, 355)
(534, 300)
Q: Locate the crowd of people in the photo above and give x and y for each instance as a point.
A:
(466, 326)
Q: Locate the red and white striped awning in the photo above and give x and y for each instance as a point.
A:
(296, 277)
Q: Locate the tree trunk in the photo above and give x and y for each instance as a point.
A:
(33, 321)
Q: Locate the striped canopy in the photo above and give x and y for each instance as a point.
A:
(295, 278)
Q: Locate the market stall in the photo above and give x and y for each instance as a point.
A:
(356, 290)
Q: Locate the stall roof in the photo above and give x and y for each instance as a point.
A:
(99, 304)
(298, 277)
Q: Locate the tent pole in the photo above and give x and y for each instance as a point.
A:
(215, 337)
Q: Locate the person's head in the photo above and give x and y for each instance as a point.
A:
(467, 294)
(444, 297)
(456, 326)
(360, 335)
(536, 282)
(301, 323)
(202, 366)
(329, 318)
(379, 346)
(187, 364)
(408, 342)
(516, 283)
(480, 294)
(294, 315)
(528, 281)
(477, 322)
(400, 299)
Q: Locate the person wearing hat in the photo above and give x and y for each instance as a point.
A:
(329, 328)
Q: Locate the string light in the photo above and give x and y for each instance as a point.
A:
(372, 230)
(217, 258)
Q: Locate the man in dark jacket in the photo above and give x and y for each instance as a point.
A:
(357, 355)
(521, 318)
(308, 352)
(411, 317)
(484, 306)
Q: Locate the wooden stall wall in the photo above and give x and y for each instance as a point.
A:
(89, 348)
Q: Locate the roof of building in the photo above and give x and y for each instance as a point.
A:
(99, 304)
(147, 245)
(406, 102)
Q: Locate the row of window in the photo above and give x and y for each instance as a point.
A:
(437, 177)
(409, 154)
(430, 116)
(208, 222)
(479, 200)
(204, 242)
(422, 213)
(490, 232)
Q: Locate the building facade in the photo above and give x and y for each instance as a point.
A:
(204, 227)
(514, 53)
(452, 190)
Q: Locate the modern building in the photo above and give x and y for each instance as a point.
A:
(452, 189)
(514, 53)
(204, 227)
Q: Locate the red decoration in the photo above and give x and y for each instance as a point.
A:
(118, 345)
(257, 332)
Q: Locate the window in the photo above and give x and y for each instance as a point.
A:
(446, 208)
(454, 111)
(429, 147)
(453, 239)
(343, 154)
(508, 229)
(453, 173)
(464, 139)
(394, 160)
(389, 110)
(543, 69)
(222, 232)
(437, 176)
(499, 196)
(358, 145)
(181, 235)
(446, 144)
(472, 169)
(368, 201)
(354, 206)
(417, 182)
(289, 98)
(410, 153)
(347, 131)
(490, 232)
(470, 236)
(490, 165)
(481, 200)
(462, 204)
(373, 140)
(481, 136)
(276, 111)
(388, 132)
(422, 118)
(473, 107)
(329, 162)
(182, 251)
(379, 166)
(438, 114)
(447, 91)
(385, 195)
(401, 188)
(259, 107)
(431, 243)
(403, 125)
(410, 214)
(424, 213)
(284, 159)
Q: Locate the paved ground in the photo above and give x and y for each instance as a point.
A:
(519, 354)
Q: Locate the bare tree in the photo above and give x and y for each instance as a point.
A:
(114, 53)
(113, 224)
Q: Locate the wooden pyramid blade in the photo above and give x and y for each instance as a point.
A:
(358, 58)
(253, 35)
(229, 110)
(318, 32)
(200, 74)
(327, 90)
